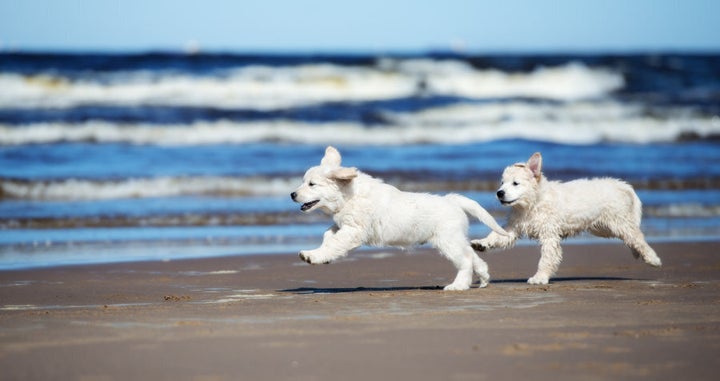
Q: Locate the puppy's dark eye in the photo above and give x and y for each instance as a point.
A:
(515, 183)
(312, 184)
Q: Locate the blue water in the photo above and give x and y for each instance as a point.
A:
(113, 157)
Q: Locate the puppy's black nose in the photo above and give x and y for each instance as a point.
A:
(293, 195)
(500, 193)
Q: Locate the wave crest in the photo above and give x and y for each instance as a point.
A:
(80, 189)
(569, 124)
(88, 189)
(270, 88)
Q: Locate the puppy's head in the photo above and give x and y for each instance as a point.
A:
(325, 186)
(520, 182)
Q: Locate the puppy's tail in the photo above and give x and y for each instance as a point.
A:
(474, 209)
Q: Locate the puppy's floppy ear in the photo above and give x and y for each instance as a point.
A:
(332, 157)
(344, 174)
(535, 165)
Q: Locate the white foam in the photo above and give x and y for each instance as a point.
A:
(86, 189)
(499, 112)
(684, 210)
(194, 134)
(569, 123)
(572, 81)
(582, 122)
(268, 88)
(75, 189)
(260, 88)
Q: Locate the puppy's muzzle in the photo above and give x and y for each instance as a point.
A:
(501, 196)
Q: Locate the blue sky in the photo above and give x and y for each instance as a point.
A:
(361, 26)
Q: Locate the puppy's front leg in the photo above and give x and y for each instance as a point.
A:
(550, 258)
(495, 240)
(336, 243)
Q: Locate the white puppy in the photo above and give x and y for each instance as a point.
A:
(368, 211)
(549, 211)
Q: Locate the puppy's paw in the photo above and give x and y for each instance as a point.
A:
(653, 261)
(456, 287)
(479, 245)
(308, 257)
(305, 257)
(539, 279)
(484, 282)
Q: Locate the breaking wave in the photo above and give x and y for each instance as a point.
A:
(228, 186)
(80, 189)
(576, 123)
(270, 88)
(675, 211)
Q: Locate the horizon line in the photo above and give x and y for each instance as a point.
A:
(362, 52)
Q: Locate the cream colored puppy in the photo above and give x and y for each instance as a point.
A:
(550, 211)
(367, 211)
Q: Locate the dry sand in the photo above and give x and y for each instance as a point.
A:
(373, 316)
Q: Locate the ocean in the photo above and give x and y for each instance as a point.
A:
(162, 156)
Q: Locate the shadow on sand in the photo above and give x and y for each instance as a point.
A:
(343, 290)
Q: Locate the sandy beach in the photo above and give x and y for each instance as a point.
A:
(374, 315)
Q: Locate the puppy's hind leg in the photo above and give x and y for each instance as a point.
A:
(633, 237)
(481, 269)
(629, 231)
(635, 240)
(461, 256)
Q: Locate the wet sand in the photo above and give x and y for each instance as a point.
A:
(374, 316)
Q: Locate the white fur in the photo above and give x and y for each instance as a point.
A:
(549, 211)
(367, 211)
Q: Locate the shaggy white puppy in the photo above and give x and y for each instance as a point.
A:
(370, 212)
(549, 211)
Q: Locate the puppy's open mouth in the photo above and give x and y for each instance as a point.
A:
(308, 205)
(507, 202)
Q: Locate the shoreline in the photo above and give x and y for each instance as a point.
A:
(68, 254)
(374, 314)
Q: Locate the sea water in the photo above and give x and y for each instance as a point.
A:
(123, 157)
